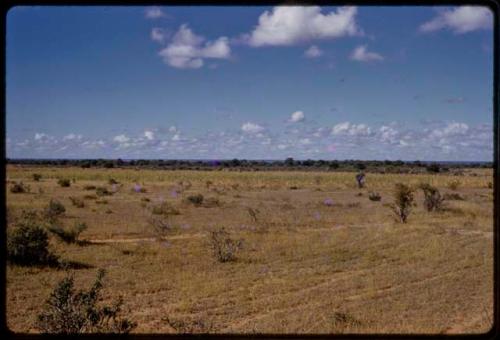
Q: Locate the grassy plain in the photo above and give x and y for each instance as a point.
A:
(305, 267)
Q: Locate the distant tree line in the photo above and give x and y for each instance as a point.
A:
(385, 166)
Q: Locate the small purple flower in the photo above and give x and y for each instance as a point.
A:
(137, 188)
(317, 215)
(174, 193)
(328, 202)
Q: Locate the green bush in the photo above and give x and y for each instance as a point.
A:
(53, 210)
(403, 201)
(67, 311)
(102, 191)
(64, 182)
(19, 188)
(433, 201)
(28, 245)
(197, 199)
(68, 235)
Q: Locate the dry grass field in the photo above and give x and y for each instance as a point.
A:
(317, 255)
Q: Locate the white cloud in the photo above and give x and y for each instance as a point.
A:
(121, 139)
(305, 141)
(172, 129)
(150, 135)
(176, 137)
(460, 20)
(452, 129)
(41, 136)
(252, 127)
(347, 128)
(297, 116)
(72, 136)
(158, 35)
(154, 12)
(313, 52)
(288, 25)
(360, 53)
(188, 50)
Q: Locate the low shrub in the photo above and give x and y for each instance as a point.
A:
(145, 199)
(28, 245)
(490, 185)
(77, 202)
(19, 188)
(253, 214)
(191, 325)
(69, 312)
(89, 197)
(68, 235)
(433, 200)
(374, 196)
(64, 182)
(89, 187)
(102, 191)
(101, 201)
(112, 181)
(53, 210)
(453, 185)
(160, 224)
(197, 199)
(37, 177)
(224, 247)
(164, 208)
(454, 196)
(403, 201)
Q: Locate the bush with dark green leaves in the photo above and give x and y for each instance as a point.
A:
(53, 210)
(102, 191)
(68, 234)
(19, 188)
(403, 201)
(197, 199)
(28, 244)
(64, 182)
(68, 311)
(433, 201)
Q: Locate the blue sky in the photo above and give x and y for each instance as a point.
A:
(250, 82)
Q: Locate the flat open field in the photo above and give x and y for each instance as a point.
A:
(304, 267)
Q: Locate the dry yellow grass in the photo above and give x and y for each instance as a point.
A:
(304, 268)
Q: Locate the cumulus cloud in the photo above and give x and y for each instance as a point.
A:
(158, 35)
(149, 135)
(251, 127)
(313, 52)
(451, 129)
(154, 12)
(121, 139)
(188, 50)
(460, 20)
(297, 116)
(347, 128)
(288, 25)
(72, 136)
(361, 53)
(172, 129)
(40, 136)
